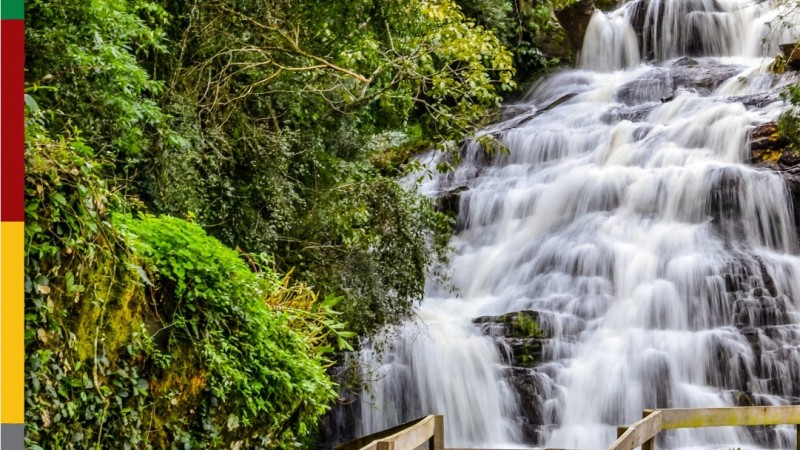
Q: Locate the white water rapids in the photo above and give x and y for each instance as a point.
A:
(663, 269)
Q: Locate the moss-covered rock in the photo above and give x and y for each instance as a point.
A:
(554, 40)
(768, 147)
(520, 333)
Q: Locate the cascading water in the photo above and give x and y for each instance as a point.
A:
(662, 269)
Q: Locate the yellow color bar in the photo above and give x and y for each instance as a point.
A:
(12, 323)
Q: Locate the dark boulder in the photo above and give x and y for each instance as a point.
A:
(531, 390)
(449, 201)
(703, 78)
(791, 55)
(685, 62)
(759, 100)
(574, 19)
(768, 148)
(635, 113)
(660, 84)
(650, 87)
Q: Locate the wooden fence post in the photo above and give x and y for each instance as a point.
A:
(651, 443)
(437, 440)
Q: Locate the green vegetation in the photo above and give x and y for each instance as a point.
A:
(526, 326)
(148, 333)
(789, 122)
(528, 28)
(211, 201)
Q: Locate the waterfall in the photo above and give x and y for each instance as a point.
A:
(662, 269)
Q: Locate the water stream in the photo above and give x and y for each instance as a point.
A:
(663, 269)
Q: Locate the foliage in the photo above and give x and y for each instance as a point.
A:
(528, 326)
(83, 351)
(348, 224)
(379, 61)
(520, 25)
(789, 122)
(151, 334)
(81, 59)
(277, 127)
(249, 115)
(280, 104)
(264, 380)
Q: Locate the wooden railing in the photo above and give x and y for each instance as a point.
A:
(403, 437)
(644, 432)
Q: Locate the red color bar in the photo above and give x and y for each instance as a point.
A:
(12, 122)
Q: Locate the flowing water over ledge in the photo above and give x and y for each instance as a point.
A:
(663, 270)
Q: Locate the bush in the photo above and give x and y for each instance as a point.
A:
(148, 333)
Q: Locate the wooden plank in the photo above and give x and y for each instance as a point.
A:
(722, 417)
(647, 428)
(411, 437)
(624, 441)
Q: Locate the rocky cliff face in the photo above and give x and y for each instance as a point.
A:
(771, 151)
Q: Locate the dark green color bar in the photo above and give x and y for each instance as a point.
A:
(12, 9)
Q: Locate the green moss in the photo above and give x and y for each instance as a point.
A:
(522, 324)
(110, 309)
(528, 326)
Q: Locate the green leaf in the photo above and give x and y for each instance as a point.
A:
(31, 104)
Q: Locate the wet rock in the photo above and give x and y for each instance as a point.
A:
(651, 87)
(520, 324)
(531, 395)
(574, 20)
(510, 111)
(759, 310)
(768, 147)
(638, 15)
(519, 336)
(724, 353)
(751, 334)
(631, 113)
(544, 109)
(657, 379)
(759, 100)
(661, 84)
(449, 201)
(791, 54)
(553, 40)
(685, 62)
(792, 178)
(702, 78)
(525, 352)
(690, 41)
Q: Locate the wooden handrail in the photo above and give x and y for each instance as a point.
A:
(403, 437)
(643, 432)
(737, 416)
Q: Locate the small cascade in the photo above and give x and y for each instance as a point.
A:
(436, 374)
(621, 255)
(605, 32)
